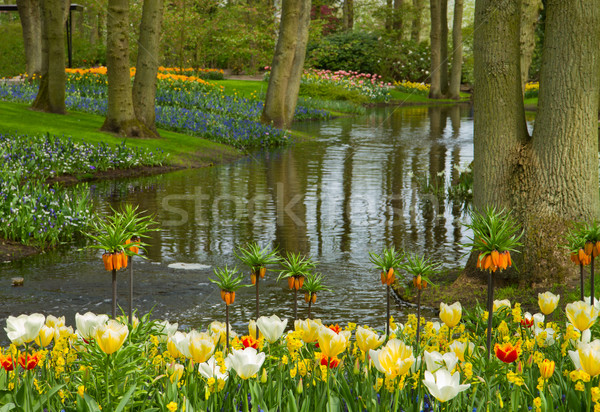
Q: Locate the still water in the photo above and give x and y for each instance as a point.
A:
(352, 188)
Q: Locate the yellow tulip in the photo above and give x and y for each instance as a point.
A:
(110, 336)
(500, 303)
(45, 336)
(366, 339)
(310, 329)
(582, 315)
(201, 346)
(459, 349)
(589, 357)
(331, 343)
(394, 359)
(548, 302)
(450, 314)
(546, 368)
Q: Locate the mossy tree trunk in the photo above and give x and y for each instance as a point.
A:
(288, 62)
(548, 179)
(51, 93)
(456, 72)
(31, 25)
(417, 20)
(120, 116)
(530, 12)
(435, 37)
(348, 15)
(398, 19)
(144, 85)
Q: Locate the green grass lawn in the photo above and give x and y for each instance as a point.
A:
(244, 88)
(183, 149)
(398, 96)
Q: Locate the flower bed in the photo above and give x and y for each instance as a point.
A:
(537, 363)
(208, 111)
(31, 212)
(411, 87)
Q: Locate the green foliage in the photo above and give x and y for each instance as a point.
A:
(206, 34)
(256, 257)
(388, 259)
(228, 280)
(314, 283)
(111, 232)
(419, 265)
(12, 51)
(331, 92)
(295, 265)
(493, 230)
(369, 53)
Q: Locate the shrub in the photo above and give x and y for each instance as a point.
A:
(12, 52)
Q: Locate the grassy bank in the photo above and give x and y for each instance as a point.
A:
(183, 150)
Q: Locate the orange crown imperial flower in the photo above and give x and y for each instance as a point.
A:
(507, 352)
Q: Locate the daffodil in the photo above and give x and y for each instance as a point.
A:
(111, 336)
(581, 314)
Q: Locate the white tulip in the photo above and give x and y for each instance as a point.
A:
(88, 323)
(164, 329)
(435, 360)
(444, 386)
(271, 327)
(25, 328)
(246, 363)
(211, 369)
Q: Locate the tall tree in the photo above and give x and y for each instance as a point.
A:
(348, 14)
(51, 93)
(120, 116)
(417, 20)
(530, 12)
(31, 24)
(444, 47)
(548, 179)
(435, 37)
(456, 71)
(288, 62)
(144, 84)
(398, 19)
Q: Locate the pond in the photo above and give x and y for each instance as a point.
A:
(351, 189)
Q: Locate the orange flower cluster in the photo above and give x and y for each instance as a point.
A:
(261, 272)
(228, 297)
(295, 282)
(419, 283)
(114, 261)
(494, 261)
(584, 256)
(310, 296)
(388, 278)
(160, 76)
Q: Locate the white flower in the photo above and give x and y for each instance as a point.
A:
(88, 323)
(444, 386)
(25, 328)
(164, 329)
(588, 299)
(246, 363)
(271, 327)
(211, 369)
(435, 360)
(219, 332)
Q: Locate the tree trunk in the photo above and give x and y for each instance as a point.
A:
(120, 116)
(288, 61)
(348, 15)
(144, 85)
(51, 94)
(31, 24)
(389, 15)
(92, 19)
(550, 179)
(435, 91)
(455, 75)
(415, 32)
(397, 26)
(444, 47)
(530, 12)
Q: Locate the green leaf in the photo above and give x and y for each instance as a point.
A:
(125, 399)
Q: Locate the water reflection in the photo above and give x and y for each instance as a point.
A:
(352, 189)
